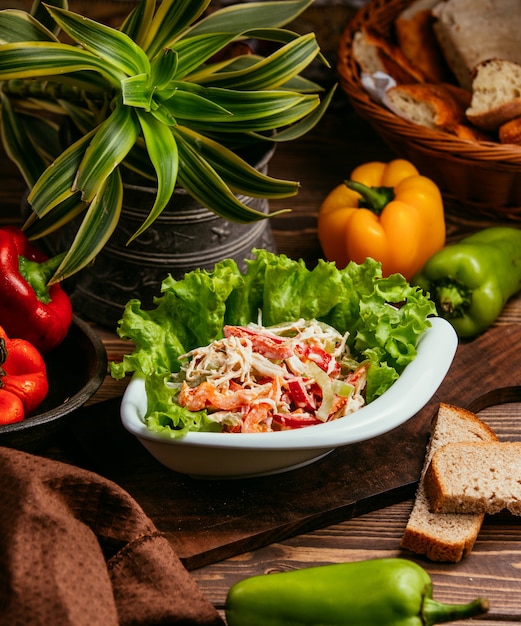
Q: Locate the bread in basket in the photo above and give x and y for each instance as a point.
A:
(482, 178)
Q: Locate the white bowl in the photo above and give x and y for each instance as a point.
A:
(234, 455)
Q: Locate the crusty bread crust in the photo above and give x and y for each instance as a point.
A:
(445, 537)
(478, 477)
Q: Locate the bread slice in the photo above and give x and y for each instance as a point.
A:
(472, 31)
(496, 94)
(375, 53)
(445, 536)
(480, 477)
(434, 106)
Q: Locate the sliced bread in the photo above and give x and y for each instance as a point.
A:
(496, 93)
(482, 477)
(375, 53)
(434, 106)
(445, 536)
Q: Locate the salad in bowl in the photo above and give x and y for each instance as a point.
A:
(274, 358)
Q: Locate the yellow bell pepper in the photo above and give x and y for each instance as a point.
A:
(386, 211)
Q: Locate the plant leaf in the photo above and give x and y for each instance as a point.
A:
(18, 25)
(270, 72)
(137, 91)
(172, 18)
(36, 227)
(162, 150)
(112, 141)
(265, 123)
(56, 182)
(203, 183)
(239, 175)
(164, 67)
(194, 51)
(97, 226)
(137, 23)
(113, 46)
(41, 58)
(237, 105)
(189, 105)
(39, 12)
(248, 16)
(279, 35)
(18, 145)
(302, 127)
(297, 83)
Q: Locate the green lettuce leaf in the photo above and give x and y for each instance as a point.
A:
(169, 418)
(385, 318)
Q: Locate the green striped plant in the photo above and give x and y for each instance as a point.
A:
(159, 96)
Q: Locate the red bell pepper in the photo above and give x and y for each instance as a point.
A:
(23, 379)
(29, 308)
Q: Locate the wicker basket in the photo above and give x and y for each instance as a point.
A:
(482, 178)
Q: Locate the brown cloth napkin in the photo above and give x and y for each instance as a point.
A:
(76, 549)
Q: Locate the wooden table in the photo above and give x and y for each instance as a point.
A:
(321, 161)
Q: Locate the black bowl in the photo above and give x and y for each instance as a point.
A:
(75, 369)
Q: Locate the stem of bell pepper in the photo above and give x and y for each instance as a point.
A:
(434, 612)
(452, 297)
(42, 318)
(39, 274)
(373, 198)
(471, 280)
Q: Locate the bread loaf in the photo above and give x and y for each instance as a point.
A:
(496, 94)
(445, 536)
(472, 31)
(475, 478)
(416, 39)
(510, 132)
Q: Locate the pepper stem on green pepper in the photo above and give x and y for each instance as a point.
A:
(373, 198)
(39, 274)
(452, 297)
(434, 612)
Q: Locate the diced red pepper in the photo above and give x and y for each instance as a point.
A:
(270, 346)
(300, 395)
(323, 359)
(289, 421)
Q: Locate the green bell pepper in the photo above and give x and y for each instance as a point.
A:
(378, 592)
(471, 280)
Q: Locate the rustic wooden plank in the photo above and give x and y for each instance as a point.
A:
(496, 558)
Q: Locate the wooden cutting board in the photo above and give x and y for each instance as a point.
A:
(207, 521)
